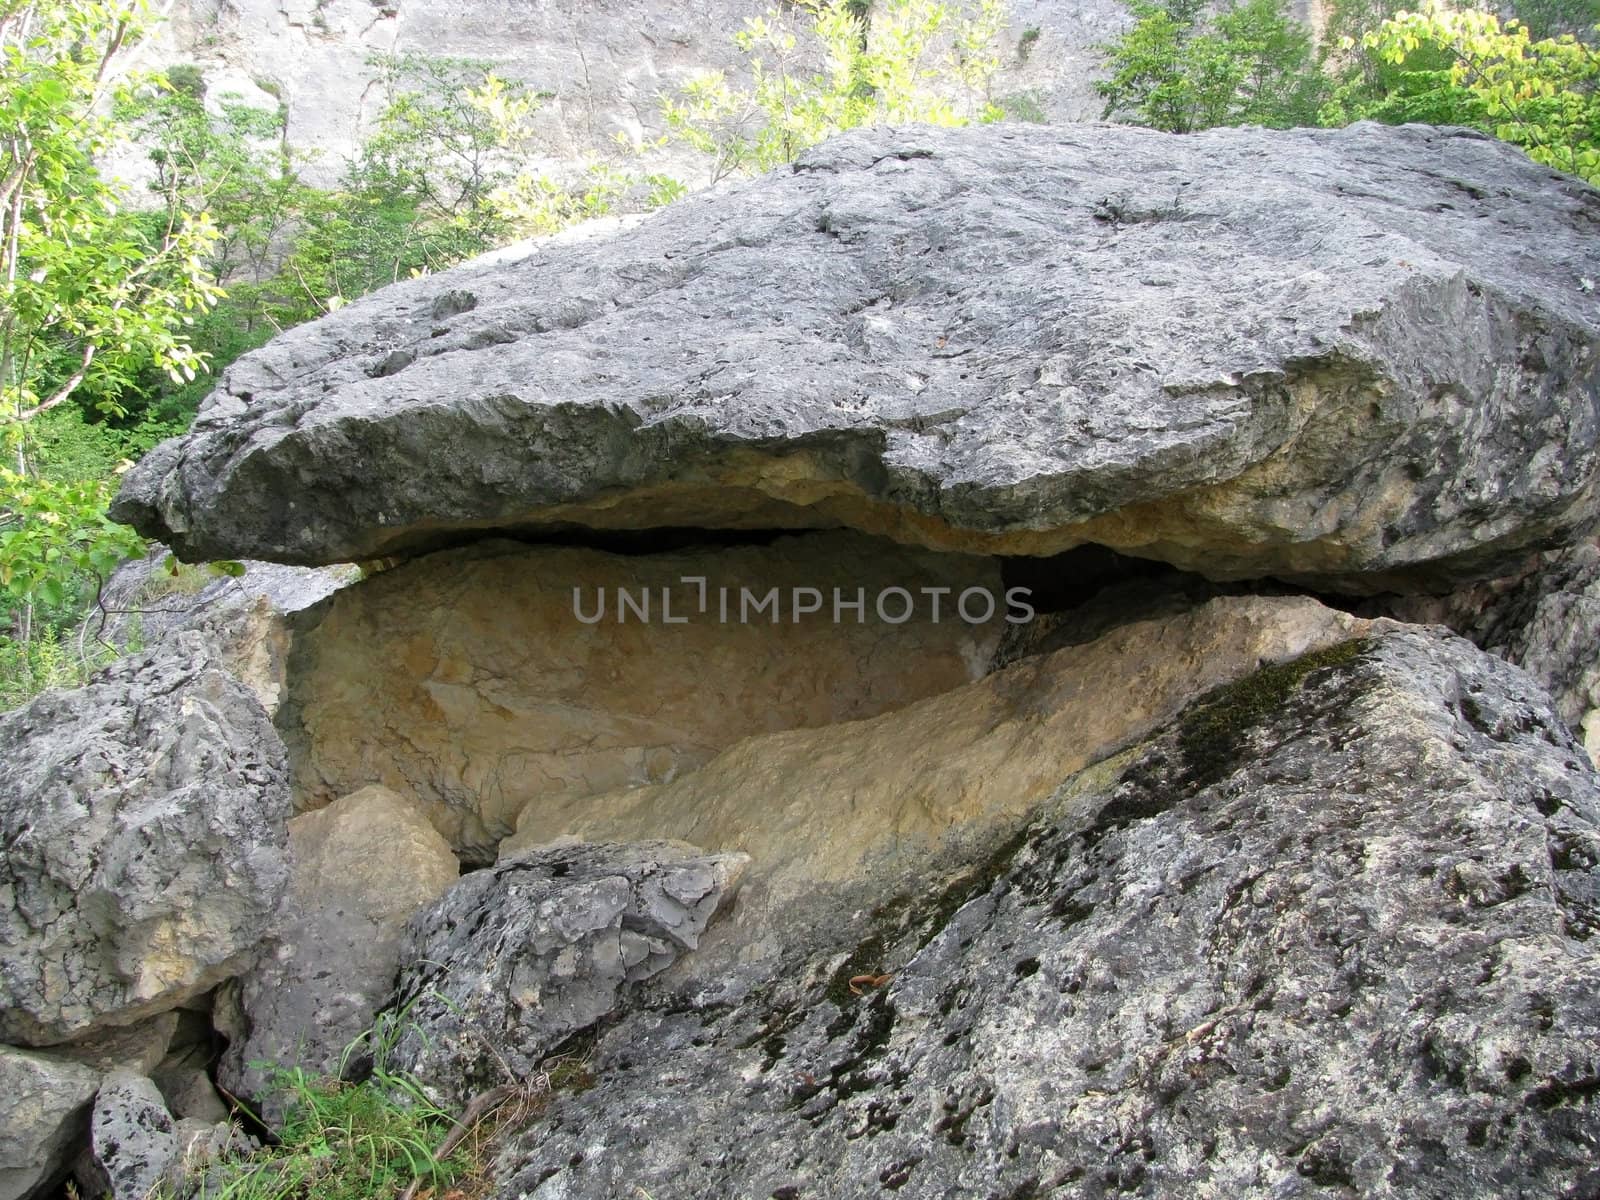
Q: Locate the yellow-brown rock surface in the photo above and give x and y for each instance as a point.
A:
(465, 681)
(825, 806)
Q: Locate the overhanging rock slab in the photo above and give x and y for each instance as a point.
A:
(1364, 358)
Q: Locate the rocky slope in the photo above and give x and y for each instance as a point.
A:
(1182, 882)
(1327, 935)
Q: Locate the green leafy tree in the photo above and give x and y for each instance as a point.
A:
(219, 155)
(90, 291)
(418, 196)
(895, 62)
(1179, 71)
(1551, 18)
(1463, 67)
(527, 201)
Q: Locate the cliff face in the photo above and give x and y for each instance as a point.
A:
(603, 63)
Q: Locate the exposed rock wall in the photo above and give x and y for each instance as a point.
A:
(243, 618)
(469, 682)
(604, 64)
(44, 1117)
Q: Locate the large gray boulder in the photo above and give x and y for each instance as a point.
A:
(142, 843)
(1362, 357)
(1330, 934)
(515, 958)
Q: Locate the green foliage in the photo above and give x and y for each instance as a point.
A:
(435, 156)
(533, 204)
(230, 164)
(382, 1136)
(45, 661)
(1023, 106)
(342, 1141)
(94, 296)
(902, 62)
(1177, 71)
(1348, 20)
(1251, 65)
(1464, 66)
(187, 78)
(56, 543)
(1552, 18)
(443, 177)
(664, 190)
(67, 446)
(90, 292)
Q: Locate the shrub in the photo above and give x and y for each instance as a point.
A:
(901, 62)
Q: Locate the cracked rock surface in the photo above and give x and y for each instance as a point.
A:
(516, 957)
(1545, 618)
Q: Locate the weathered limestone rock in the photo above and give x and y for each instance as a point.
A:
(467, 681)
(190, 1096)
(360, 868)
(1545, 619)
(515, 958)
(1362, 357)
(134, 1138)
(1330, 933)
(244, 618)
(44, 1114)
(876, 798)
(142, 818)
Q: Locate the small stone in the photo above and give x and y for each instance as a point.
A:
(44, 1117)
